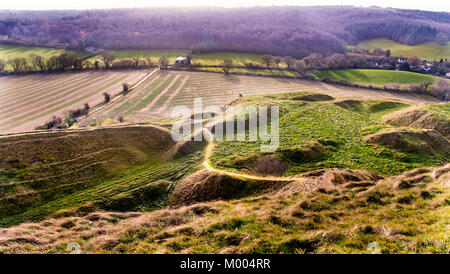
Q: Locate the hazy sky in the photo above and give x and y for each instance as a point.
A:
(434, 5)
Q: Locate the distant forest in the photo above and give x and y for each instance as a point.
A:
(292, 31)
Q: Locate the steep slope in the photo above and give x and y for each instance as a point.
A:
(48, 171)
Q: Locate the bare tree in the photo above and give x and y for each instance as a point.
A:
(300, 67)
(125, 87)
(277, 60)
(267, 60)
(441, 89)
(38, 62)
(136, 62)
(87, 64)
(313, 60)
(18, 64)
(414, 61)
(290, 62)
(149, 61)
(79, 64)
(2, 65)
(52, 63)
(107, 97)
(66, 61)
(108, 58)
(189, 57)
(163, 62)
(227, 65)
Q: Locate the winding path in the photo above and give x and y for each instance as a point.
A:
(208, 152)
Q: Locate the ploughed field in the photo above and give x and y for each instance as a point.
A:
(29, 101)
(156, 97)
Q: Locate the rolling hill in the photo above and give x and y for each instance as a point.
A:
(8, 52)
(429, 51)
(374, 77)
(347, 185)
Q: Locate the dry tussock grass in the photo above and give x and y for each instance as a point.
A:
(276, 221)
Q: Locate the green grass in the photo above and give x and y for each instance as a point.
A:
(264, 72)
(429, 50)
(374, 77)
(216, 58)
(400, 221)
(105, 188)
(341, 130)
(441, 110)
(8, 52)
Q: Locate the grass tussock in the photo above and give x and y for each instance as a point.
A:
(409, 220)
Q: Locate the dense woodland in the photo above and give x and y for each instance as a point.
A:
(284, 31)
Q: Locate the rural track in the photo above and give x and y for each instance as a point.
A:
(208, 166)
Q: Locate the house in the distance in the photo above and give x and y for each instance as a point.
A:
(181, 61)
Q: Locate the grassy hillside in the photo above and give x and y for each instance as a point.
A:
(428, 51)
(216, 58)
(326, 134)
(8, 52)
(111, 168)
(375, 77)
(263, 72)
(345, 220)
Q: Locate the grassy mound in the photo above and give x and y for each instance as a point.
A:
(310, 152)
(416, 141)
(386, 105)
(313, 97)
(206, 185)
(130, 200)
(8, 52)
(374, 77)
(257, 164)
(353, 105)
(432, 116)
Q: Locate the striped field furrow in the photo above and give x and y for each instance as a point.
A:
(28, 101)
(43, 88)
(60, 96)
(40, 100)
